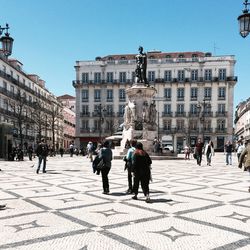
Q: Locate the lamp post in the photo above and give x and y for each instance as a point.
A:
(244, 21)
(6, 40)
(101, 110)
(201, 107)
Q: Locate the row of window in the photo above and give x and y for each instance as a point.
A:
(193, 125)
(194, 93)
(167, 94)
(194, 109)
(168, 76)
(167, 125)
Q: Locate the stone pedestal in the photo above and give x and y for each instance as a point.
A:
(140, 116)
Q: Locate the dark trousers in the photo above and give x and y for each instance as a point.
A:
(105, 179)
(144, 184)
(199, 157)
(40, 159)
(130, 185)
(30, 156)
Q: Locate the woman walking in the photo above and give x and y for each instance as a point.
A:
(141, 167)
(105, 154)
(245, 153)
(209, 152)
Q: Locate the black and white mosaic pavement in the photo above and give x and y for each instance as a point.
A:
(192, 207)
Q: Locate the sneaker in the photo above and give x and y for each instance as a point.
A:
(44, 171)
(105, 192)
(134, 197)
(37, 171)
(249, 189)
(2, 206)
(147, 200)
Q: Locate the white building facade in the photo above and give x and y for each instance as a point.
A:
(28, 111)
(242, 121)
(195, 92)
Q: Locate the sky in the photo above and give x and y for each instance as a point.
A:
(51, 35)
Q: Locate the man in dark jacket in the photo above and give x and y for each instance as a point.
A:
(198, 151)
(42, 152)
(105, 154)
(141, 162)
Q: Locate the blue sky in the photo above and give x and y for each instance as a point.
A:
(50, 35)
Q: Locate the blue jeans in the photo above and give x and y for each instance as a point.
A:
(229, 158)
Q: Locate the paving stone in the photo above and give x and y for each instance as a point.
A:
(192, 207)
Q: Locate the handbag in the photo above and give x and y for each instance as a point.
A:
(195, 156)
(100, 165)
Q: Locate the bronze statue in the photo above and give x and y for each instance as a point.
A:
(141, 67)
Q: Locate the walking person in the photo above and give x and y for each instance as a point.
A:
(187, 152)
(209, 152)
(198, 151)
(42, 153)
(30, 152)
(90, 150)
(61, 151)
(142, 171)
(71, 149)
(240, 149)
(245, 156)
(106, 155)
(228, 150)
(128, 165)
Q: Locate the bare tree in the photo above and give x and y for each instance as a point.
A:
(19, 108)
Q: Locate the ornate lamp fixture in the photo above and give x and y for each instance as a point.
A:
(244, 21)
(6, 40)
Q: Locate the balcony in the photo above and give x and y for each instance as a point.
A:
(221, 98)
(180, 98)
(96, 114)
(193, 114)
(84, 130)
(208, 114)
(221, 114)
(122, 99)
(97, 99)
(109, 114)
(221, 130)
(85, 99)
(120, 114)
(85, 114)
(110, 100)
(208, 130)
(167, 114)
(180, 114)
(193, 98)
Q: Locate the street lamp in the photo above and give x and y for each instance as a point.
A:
(6, 40)
(201, 106)
(244, 21)
(101, 110)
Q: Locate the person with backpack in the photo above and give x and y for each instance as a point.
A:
(42, 153)
(141, 167)
(105, 155)
(128, 165)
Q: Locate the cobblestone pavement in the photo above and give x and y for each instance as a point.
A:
(192, 207)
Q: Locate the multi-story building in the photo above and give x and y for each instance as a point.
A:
(195, 93)
(68, 101)
(242, 121)
(28, 111)
(69, 118)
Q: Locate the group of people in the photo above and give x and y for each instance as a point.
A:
(137, 164)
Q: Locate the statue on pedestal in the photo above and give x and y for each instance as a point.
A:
(141, 67)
